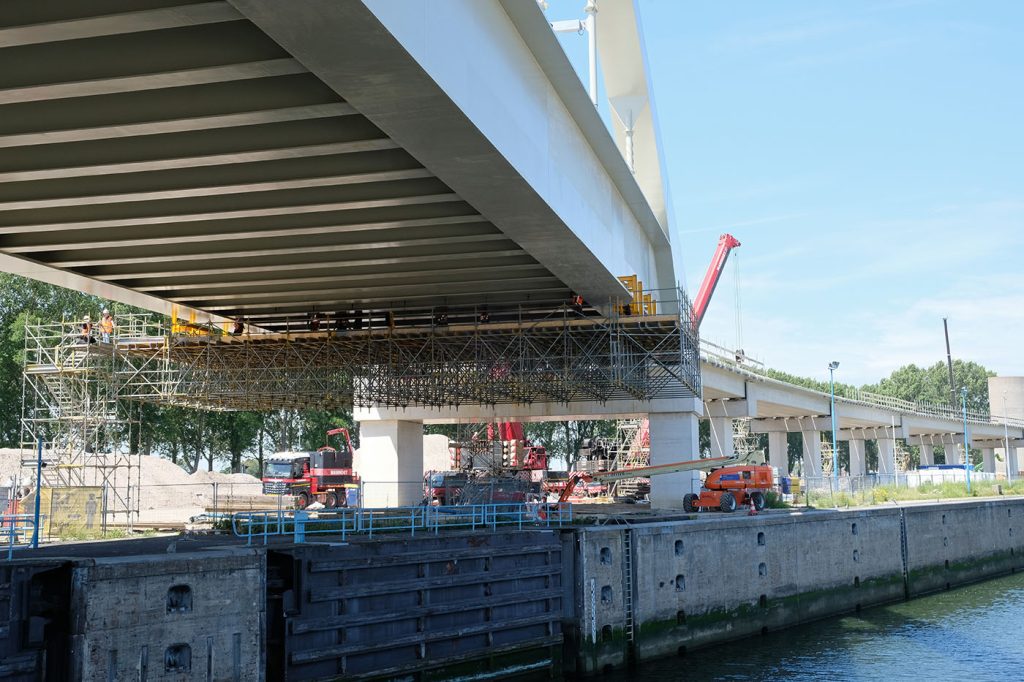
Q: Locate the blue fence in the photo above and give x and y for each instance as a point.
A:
(420, 519)
(16, 531)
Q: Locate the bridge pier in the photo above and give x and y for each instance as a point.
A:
(674, 438)
(988, 464)
(391, 464)
(722, 444)
(886, 456)
(778, 451)
(858, 456)
(927, 454)
(952, 453)
(812, 453)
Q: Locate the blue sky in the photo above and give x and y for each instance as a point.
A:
(870, 157)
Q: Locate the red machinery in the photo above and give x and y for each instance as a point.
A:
(730, 487)
(324, 476)
(726, 243)
(727, 486)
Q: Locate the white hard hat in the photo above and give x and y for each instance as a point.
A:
(106, 312)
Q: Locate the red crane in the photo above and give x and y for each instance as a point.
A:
(726, 243)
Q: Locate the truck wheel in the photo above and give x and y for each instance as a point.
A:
(727, 502)
(688, 499)
(757, 497)
(302, 500)
(331, 501)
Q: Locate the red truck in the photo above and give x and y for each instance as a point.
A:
(325, 475)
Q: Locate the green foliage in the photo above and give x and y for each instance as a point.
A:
(931, 385)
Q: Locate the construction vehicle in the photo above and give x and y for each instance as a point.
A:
(444, 487)
(731, 482)
(325, 475)
(731, 487)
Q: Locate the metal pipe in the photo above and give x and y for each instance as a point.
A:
(591, 10)
(967, 441)
(39, 492)
(832, 366)
(949, 362)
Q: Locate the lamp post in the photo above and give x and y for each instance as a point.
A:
(967, 440)
(1006, 441)
(832, 367)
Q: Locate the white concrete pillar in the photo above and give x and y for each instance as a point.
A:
(988, 460)
(674, 438)
(812, 453)
(927, 454)
(858, 456)
(952, 451)
(391, 462)
(722, 437)
(886, 456)
(1012, 464)
(778, 451)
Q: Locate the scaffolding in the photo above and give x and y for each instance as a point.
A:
(428, 358)
(73, 410)
(81, 395)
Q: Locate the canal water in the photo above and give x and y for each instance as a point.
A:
(971, 633)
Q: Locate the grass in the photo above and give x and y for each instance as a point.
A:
(926, 491)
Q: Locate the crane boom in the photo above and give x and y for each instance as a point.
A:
(726, 243)
(654, 470)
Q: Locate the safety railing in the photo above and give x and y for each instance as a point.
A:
(261, 526)
(17, 531)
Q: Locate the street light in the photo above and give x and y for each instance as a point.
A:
(967, 440)
(832, 367)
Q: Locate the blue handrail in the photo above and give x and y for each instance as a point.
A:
(359, 521)
(18, 530)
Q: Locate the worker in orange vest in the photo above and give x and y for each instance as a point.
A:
(86, 335)
(106, 326)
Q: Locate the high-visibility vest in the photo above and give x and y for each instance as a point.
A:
(107, 325)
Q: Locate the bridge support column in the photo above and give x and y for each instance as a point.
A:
(988, 460)
(391, 462)
(1012, 466)
(886, 456)
(778, 451)
(858, 460)
(674, 438)
(927, 454)
(952, 451)
(812, 453)
(722, 437)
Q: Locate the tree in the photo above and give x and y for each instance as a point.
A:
(931, 385)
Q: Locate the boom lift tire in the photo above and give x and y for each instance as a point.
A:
(688, 499)
(758, 499)
(727, 502)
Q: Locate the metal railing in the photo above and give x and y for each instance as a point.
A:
(17, 530)
(721, 357)
(262, 525)
(903, 479)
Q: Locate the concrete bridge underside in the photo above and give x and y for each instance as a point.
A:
(219, 160)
